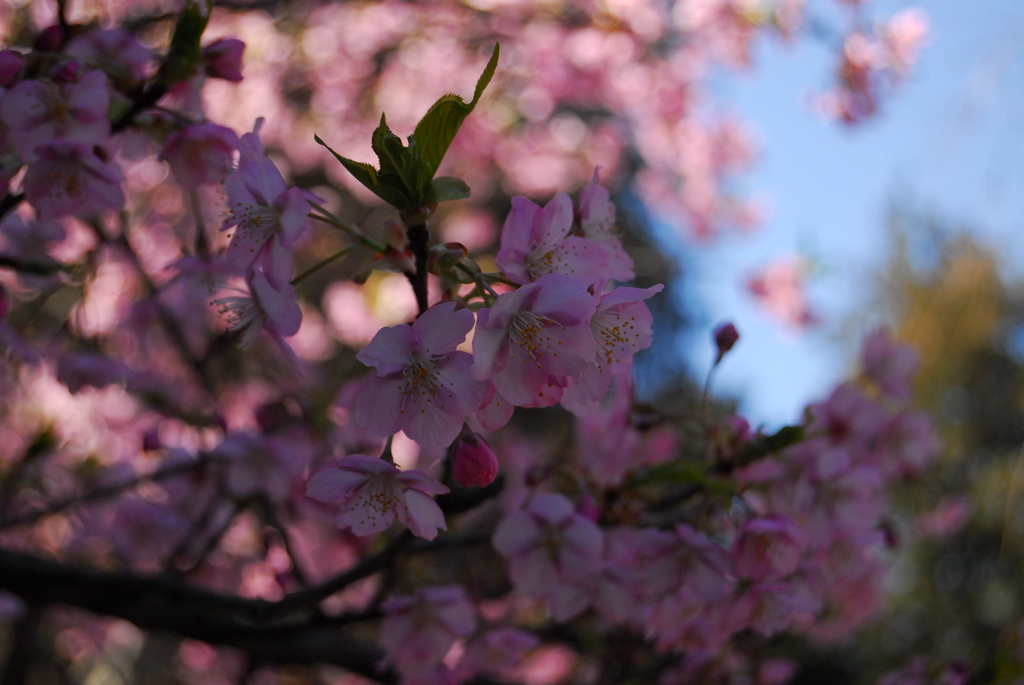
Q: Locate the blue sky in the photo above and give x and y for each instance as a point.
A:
(950, 142)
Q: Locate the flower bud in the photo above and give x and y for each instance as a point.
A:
(725, 336)
(473, 461)
(223, 59)
(69, 72)
(11, 64)
(49, 39)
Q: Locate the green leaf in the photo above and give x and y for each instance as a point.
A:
(185, 53)
(445, 188)
(367, 175)
(769, 444)
(442, 121)
(405, 178)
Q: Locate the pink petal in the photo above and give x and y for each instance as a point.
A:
(334, 484)
(441, 328)
(390, 351)
(421, 515)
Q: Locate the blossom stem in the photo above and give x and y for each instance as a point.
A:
(328, 218)
(322, 263)
(386, 454)
(418, 235)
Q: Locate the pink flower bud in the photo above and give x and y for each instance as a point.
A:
(69, 72)
(50, 39)
(474, 462)
(11, 64)
(725, 337)
(223, 59)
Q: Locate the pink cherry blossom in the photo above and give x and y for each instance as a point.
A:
(621, 327)
(531, 335)
(223, 59)
(418, 630)
(473, 461)
(609, 446)
(258, 464)
(116, 52)
(275, 310)
(552, 552)
(11, 64)
(768, 547)
(423, 385)
(200, 154)
(39, 112)
(268, 216)
(597, 224)
(496, 651)
(536, 242)
(373, 493)
(69, 179)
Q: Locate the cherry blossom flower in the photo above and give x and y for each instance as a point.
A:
(540, 331)
(597, 224)
(769, 547)
(223, 59)
(373, 493)
(275, 310)
(38, 112)
(258, 464)
(268, 216)
(536, 242)
(423, 385)
(116, 52)
(11, 64)
(69, 179)
(552, 552)
(200, 154)
(495, 651)
(780, 290)
(418, 630)
(473, 461)
(621, 327)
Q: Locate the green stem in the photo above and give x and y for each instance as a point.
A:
(331, 219)
(321, 264)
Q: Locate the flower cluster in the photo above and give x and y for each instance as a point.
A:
(247, 506)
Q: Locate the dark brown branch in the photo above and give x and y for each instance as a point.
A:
(164, 603)
(100, 493)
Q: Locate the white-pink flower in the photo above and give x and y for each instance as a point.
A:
(532, 335)
(552, 552)
(69, 179)
(39, 112)
(536, 242)
(769, 547)
(373, 493)
(597, 224)
(201, 154)
(621, 327)
(418, 630)
(423, 385)
(116, 51)
(268, 217)
(275, 310)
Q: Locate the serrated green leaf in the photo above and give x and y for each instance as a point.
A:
(445, 188)
(436, 130)
(367, 175)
